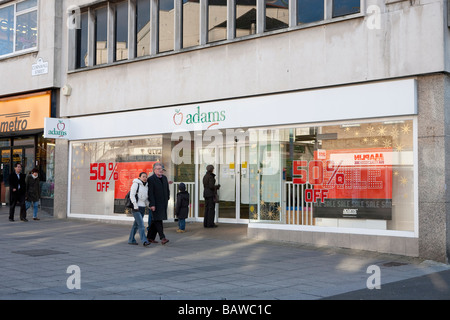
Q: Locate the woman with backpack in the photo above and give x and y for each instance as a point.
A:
(139, 198)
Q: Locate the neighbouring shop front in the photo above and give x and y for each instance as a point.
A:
(331, 160)
(22, 141)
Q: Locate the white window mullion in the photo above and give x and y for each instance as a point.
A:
(293, 20)
(328, 6)
(260, 16)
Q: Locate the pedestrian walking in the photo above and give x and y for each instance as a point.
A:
(158, 197)
(182, 207)
(210, 194)
(33, 192)
(17, 189)
(139, 198)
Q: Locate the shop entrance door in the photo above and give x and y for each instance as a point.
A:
(10, 156)
(5, 167)
(230, 166)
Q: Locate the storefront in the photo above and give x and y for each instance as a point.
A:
(21, 140)
(340, 159)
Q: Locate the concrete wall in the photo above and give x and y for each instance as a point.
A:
(434, 164)
(49, 49)
(385, 244)
(409, 42)
(61, 178)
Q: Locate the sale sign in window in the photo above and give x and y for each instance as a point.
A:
(353, 183)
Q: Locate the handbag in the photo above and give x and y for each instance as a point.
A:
(128, 203)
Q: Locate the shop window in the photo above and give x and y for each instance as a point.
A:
(357, 175)
(102, 172)
(309, 11)
(121, 31)
(101, 35)
(277, 14)
(166, 25)
(345, 7)
(18, 27)
(143, 27)
(45, 156)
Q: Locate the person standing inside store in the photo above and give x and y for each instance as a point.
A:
(158, 197)
(210, 194)
(182, 207)
(17, 189)
(33, 192)
(139, 198)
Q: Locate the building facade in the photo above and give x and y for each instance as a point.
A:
(30, 44)
(326, 121)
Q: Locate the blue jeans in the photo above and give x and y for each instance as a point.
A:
(138, 225)
(181, 224)
(35, 207)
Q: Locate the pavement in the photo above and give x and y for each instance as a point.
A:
(68, 259)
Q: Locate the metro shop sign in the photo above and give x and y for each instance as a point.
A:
(348, 183)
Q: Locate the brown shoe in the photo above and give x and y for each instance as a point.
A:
(164, 241)
(152, 241)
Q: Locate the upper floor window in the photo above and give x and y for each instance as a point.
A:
(344, 7)
(310, 11)
(101, 36)
(121, 30)
(142, 28)
(18, 27)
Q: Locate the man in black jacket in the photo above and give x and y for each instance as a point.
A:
(17, 190)
(158, 197)
(210, 193)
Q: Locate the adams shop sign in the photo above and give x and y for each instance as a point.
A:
(56, 128)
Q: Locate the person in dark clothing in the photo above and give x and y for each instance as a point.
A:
(17, 189)
(210, 194)
(33, 193)
(182, 207)
(158, 197)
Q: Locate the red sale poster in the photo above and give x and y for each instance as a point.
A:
(128, 171)
(358, 182)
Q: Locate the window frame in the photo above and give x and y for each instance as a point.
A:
(20, 13)
(154, 50)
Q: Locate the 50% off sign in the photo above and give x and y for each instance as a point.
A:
(319, 174)
(100, 171)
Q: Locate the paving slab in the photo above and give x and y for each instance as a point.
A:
(201, 264)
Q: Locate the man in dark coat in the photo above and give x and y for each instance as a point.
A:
(209, 193)
(17, 189)
(158, 197)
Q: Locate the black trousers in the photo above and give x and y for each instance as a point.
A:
(155, 227)
(17, 198)
(210, 212)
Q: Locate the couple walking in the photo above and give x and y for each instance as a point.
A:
(153, 192)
